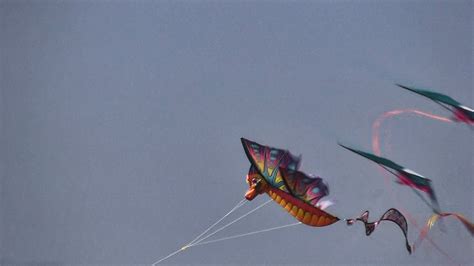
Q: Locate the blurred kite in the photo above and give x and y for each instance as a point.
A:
(392, 215)
(405, 177)
(460, 112)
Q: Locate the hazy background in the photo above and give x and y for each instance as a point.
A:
(121, 122)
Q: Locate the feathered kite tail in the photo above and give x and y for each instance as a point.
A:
(392, 215)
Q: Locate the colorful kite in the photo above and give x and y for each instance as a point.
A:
(405, 177)
(392, 215)
(460, 112)
(275, 172)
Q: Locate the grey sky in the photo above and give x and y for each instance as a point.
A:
(121, 123)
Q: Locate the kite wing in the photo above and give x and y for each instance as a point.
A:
(417, 180)
(392, 215)
(376, 159)
(468, 111)
(306, 188)
(435, 96)
(268, 161)
(461, 112)
(410, 177)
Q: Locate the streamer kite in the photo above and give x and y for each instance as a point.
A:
(461, 113)
(405, 176)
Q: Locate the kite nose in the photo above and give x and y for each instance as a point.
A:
(250, 195)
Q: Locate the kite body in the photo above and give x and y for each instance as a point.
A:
(275, 172)
(460, 112)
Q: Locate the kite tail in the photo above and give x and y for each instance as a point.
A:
(434, 218)
(437, 209)
(392, 215)
(376, 125)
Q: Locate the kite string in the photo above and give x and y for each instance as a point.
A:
(218, 230)
(230, 223)
(246, 234)
(167, 257)
(238, 205)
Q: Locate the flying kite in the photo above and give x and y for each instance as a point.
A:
(405, 176)
(275, 172)
(460, 112)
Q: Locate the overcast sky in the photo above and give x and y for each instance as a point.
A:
(121, 126)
